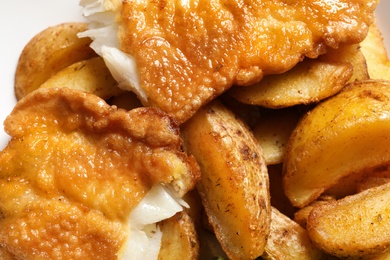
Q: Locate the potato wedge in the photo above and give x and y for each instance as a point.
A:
(289, 241)
(357, 182)
(374, 50)
(381, 256)
(344, 135)
(179, 239)
(301, 215)
(364, 220)
(349, 53)
(273, 130)
(47, 53)
(308, 82)
(90, 76)
(234, 185)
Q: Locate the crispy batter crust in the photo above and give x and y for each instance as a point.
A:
(75, 168)
(188, 52)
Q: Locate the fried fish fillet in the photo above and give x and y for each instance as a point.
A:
(76, 170)
(178, 55)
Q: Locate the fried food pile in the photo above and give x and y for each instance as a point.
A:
(198, 130)
(184, 54)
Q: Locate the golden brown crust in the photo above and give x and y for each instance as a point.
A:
(188, 53)
(76, 168)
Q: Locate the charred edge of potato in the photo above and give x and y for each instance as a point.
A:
(288, 240)
(234, 185)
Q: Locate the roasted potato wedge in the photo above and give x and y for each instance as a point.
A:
(345, 135)
(352, 54)
(308, 82)
(375, 53)
(47, 53)
(179, 239)
(90, 76)
(234, 184)
(356, 226)
(289, 241)
(382, 256)
(301, 215)
(273, 130)
(355, 183)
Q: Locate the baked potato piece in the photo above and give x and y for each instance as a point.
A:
(289, 241)
(273, 131)
(376, 55)
(308, 82)
(179, 239)
(347, 134)
(354, 183)
(234, 186)
(76, 170)
(47, 53)
(352, 54)
(301, 215)
(356, 226)
(90, 75)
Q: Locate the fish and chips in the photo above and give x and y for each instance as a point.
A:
(196, 130)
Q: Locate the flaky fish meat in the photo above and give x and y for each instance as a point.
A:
(82, 179)
(179, 55)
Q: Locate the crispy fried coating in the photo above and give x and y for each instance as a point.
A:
(188, 52)
(75, 168)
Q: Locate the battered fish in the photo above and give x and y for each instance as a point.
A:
(76, 170)
(179, 55)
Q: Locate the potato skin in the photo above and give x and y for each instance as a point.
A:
(47, 53)
(344, 135)
(234, 184)
(289, 241)
(307, 82)
(179, 240)
(91, 75)
(375, 53)
(355, 227)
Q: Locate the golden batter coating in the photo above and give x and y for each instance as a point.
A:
(76, 167)
(188, 52)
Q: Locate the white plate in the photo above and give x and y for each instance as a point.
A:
(22, 19)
